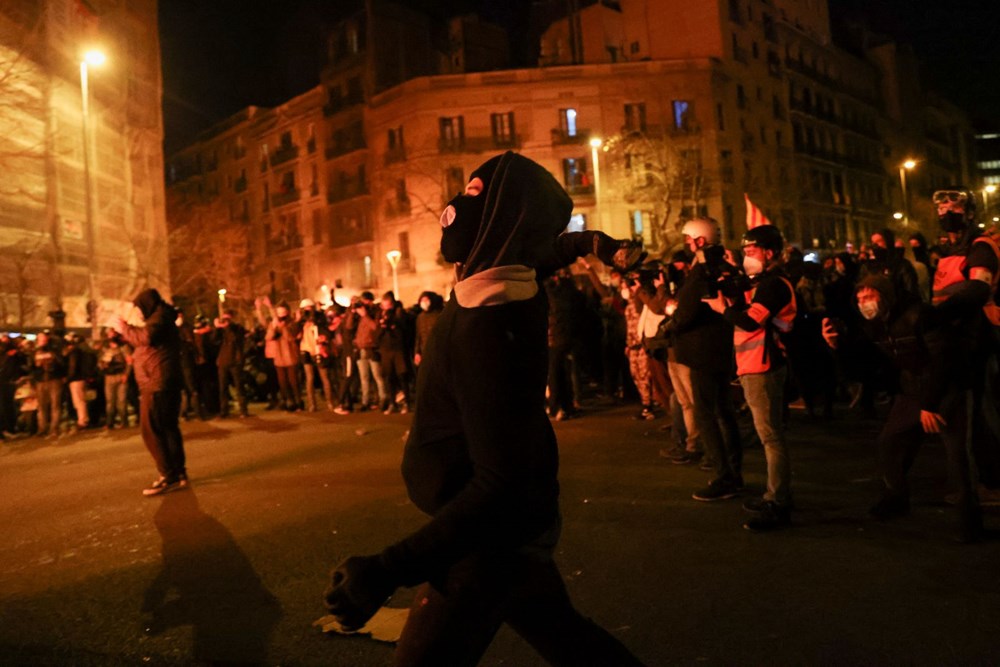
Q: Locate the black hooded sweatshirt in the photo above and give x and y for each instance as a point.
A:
(157, 357)
(481, 457)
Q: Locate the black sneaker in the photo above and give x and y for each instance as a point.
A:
(687, 458)
(890, 506)
(770, 517)
(706, 465)
(671, 453)
(717, 489)
(161, 486)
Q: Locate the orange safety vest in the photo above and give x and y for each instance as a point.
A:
(752, 353)
(951, 271)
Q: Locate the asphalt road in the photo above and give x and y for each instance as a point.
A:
(232, 570)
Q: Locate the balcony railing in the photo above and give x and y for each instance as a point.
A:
(346, 191)
(283, 198)
(562, 137)
(344, 147)
(395, 208)
(580, 190)
(396, 154)
(284, 154)
(282, 243)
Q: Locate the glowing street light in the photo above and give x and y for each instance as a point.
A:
(96, 59)
(394, 256)
(222, 300)
(897, 216)
(907, 165)
(595, 143)
(987, 191)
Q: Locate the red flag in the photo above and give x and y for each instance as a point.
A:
(755, 217)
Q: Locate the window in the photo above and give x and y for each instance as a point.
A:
(454, 182)
(567, 122)
(637, 225)
(502, 125)
(362, 179)
(317, 227)
(682, 115)
(754, 50)
(635, 117)
(634, 48)
(288, 182)
(403, 246)
(267, 198)
(577, 223)
(741, 97)
(286, 139)
(734, 12)
(451, 131)
(401, 195)
(575, 175)
(396, 138)
(720, 117)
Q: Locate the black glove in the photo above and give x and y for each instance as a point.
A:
(360, 586)
(622, 255)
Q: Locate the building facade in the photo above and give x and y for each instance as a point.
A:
(649, 112)
(82, 210)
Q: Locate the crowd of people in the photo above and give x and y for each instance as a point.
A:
(696, 339)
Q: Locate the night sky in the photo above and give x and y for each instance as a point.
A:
(220, 56)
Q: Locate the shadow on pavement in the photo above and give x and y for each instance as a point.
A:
(207, 582)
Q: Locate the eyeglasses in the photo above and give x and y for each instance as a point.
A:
(949, 197)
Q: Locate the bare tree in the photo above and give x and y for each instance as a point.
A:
(660, 172)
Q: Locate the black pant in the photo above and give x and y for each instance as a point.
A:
(8, 407)
(231, 373)
(560, 382)
(158, 416)
(288, 381)
(454, 623)
(716, 419)
(349, 382)
(395, 374)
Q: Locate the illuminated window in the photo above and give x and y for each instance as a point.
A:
(577, 223)
(567, 122)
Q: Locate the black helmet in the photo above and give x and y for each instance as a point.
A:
(767, 237)
(952, 220)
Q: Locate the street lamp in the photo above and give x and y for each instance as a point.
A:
(897, 216)
(95, 59)
(987, 191)
(394, 256)
(595, 143)
(222, 301)
(903, 168)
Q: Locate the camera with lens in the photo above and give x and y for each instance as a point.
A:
(644, 275)
(721, 276)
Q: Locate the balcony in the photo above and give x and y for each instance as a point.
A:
(335, 106)
(562, 138)
(395, 208)
(346, 190)
(240, 184)
(344, 146)
(284, 154)
(283, 198)
(283, 243)
(395, 154)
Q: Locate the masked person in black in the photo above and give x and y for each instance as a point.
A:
(157, 364)
(481, 457)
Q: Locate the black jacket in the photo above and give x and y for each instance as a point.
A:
(157, 358)
(701, 338)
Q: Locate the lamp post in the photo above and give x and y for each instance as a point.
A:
(96, 59)
(987, 191)
(222, 301)
(394, 256)
(903, 168)
(595, 143)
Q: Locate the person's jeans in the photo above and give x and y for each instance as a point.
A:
(114, 399)
(49, 405)
(765, 393)
(77, 393)
(680, 378)
(158, 416)
(715, 419)
(367, 369)
(288, 381)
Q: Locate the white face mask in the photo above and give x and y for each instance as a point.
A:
(869, 310)
(626, 294)
(752, 265)
(425, 305)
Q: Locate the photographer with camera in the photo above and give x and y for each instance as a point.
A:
(768, 311)
(703, 346)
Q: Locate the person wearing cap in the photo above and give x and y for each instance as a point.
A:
(767, 312)
(157, 365)
(230, 340)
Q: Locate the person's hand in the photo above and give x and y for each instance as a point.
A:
(931, 421)
(256, 302)
(659, 281)
(623, 255)
(119, 324)
(671, 307)
(416, 359)
(359, 587)
(267, 301)
(717, 303)
(830, 333)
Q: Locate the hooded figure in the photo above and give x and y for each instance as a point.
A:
(157, 364)
(481, 457)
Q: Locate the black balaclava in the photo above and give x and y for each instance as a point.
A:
(147, 302)
(459, 235)
(515, 220)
